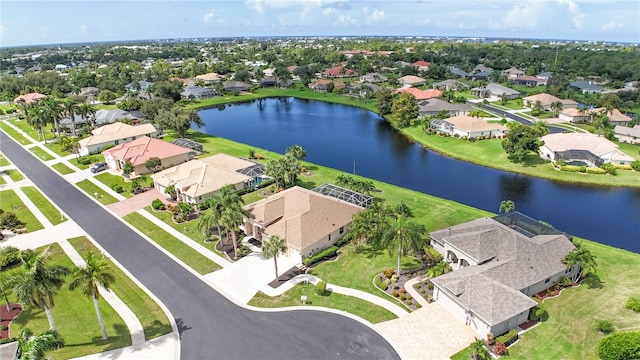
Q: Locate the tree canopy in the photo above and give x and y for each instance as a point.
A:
(521, 140)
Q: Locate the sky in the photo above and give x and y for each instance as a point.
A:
(24, 22)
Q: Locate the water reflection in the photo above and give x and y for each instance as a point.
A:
(514, 187)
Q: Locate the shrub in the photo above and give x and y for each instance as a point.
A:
(395, 293)
(394, 279)
(605, 326)
(430, 286)
(8, 220)
(408, 296)
(379, 283)
(564, 282)
(423, 291)
(117, 188)
(418, 306)
(636, 165)
(583, 169)
(595, 171)
(490, 339)
(4, 327)
(388, 273)
(609, 168)
(500, 349)
(620, 346)
(416, 286)
(157, 204)
(508, 338)
(9, 255)
(402, 297)
(432, 254)
(324, 254)
(320, 287)
(633, 303)
(537, 312)
(387, 282)
(409, 302)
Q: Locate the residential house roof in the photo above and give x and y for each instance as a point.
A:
(450, 83)
(419, 94)
(526, 78)
(437, 105)
(140, 150)
(628, 131)
(421, 63)
(198, 92)
(301, 216)
(117, 131)
(585, 85)
(458, 72)
(373, 77)
(410, 79)
(544, 98)
(471, 124)
(497, 90)
(89, 91)
(575, 112)
(204, 176)
(544, 75)
(210, 77)
(29, 98)
(569, 103)
(595, 144)
(509, 261)
(103, 116)
(319, 83)
(614, 115)
(513, 71)
(482, 68)
(231, 85)
(339, 71)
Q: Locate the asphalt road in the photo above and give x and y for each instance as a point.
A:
(211, 327)
(520, 119)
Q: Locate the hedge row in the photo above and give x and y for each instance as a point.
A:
(508, 338)
(324, 254)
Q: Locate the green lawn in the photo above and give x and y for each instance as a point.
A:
(14, 134)
(94, 159)
(514, 105)
(62, 168)
(356, 306)
(4, 161)
(112, 180)
(75, 319)
(48, 210)
(356, 270)
(570, 332)
(490, 153)
(192, 258)
(9, 201)
(40, 153)
(29, 130)
(154, 321)
(91, 188)
(53, 146)
(2, 181)
(14, 174)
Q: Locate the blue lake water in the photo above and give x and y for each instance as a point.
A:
(345, 137)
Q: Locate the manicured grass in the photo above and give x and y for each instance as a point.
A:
(40, 153)
(490, 153)
(154, 321)
(95, 159)
(112, 180)
(179, 249)
(356, 270)
(14, 134)
(29, 130)
(62, 168)
(2, 181)
(53, 146)
(4, 161)
(359, 307)
(9, 201)
(91, 188)
(461, 355)
(48, 210)
(75, 319)
(106, 106)
(569, 332)
(514, 105)
(14, 175)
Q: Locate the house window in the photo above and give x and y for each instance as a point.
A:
(341, 230)
(329, 237)
(546, 281)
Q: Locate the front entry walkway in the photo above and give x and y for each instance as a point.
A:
(137, 202)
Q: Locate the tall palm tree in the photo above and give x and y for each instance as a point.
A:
(583, 257)
(38, 284)
(275, 169)
(226, 196)
(35, 117)
(600, 121)
(507, 206)
(540, 127)
(537, 107)
(87, 111)
(556, 107)
(53, 112)
(6, 283)
(404, 237)
(360, 228)
(273, 247)
(34, 347)
(89, 278)
(231, 219)
(71, 109)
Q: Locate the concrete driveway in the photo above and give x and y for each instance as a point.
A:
(136, 202)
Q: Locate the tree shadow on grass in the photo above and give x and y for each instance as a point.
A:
(372, 251)
(156, 328)
(593, 282)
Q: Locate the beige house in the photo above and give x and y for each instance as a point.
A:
(497, 268)
(616, 117)
(547, 100)
(137, 152)
(582, 149)
(114, 134)
(575, 115)
(210, 78)
(196, 180)
(627, 134)
(307, 220)
(462, 125)
(411, 80)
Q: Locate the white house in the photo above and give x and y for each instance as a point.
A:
(114, 134)
(582, 149)
(627, 135)
(497, 268)
(462, 125)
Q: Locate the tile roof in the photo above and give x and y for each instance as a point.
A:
(436, 105)
(210, 77)
(140, 150)
(593, 143)
(117, 131)
(472, 124)
(420, 94)
(421, 63)
(301, 216)
(624, 130)
(204, 176)
(410, 79)
(30, 97)
(339, 71)
(545, 99)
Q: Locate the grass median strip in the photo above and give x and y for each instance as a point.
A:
(92, 189)
(114, 180)
(40, 153)
(350, 304)
(75, 319)
(14, 134)
(9, 201)
(182, 251)
(62, 168)
(154, 321)
(48, 210)
(14, 174)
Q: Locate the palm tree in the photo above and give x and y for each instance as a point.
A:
(477, 351)
(403, 236)
(88, 278)
(540, 127)
(438, 269)
(583, 257)
(272, 248)
(53, 112)
(6, 283)
(231, 219)
(33, 347)
(275, 169)
(35, 117)
(71, 109)
(556, 107)
(507, 206)
(600, 121)
(38, 284)
(537, 107)
(360, 228)
(86, 111)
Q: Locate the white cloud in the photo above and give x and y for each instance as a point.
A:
(577, 17)
(211, 16)
(83, 29)
(345, 20)
(256, 5)
(612, 26)
(377, 15)
(328, 11)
